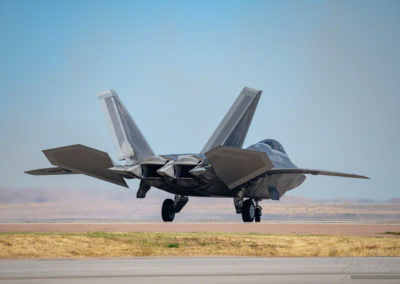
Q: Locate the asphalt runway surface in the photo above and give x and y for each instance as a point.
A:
(302, 229)
(202, 270)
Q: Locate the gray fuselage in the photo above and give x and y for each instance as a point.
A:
(212, 186)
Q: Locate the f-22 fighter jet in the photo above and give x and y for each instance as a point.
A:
(221, 169)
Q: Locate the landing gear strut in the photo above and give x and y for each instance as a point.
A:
(238, 200)
(170, 207)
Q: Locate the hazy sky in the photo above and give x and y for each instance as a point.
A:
(329, 71)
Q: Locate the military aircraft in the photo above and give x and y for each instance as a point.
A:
(221, 169)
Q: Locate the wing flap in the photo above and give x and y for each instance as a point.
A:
(314, 172)
(236, 166)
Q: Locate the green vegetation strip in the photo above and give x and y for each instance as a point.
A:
(104, 244)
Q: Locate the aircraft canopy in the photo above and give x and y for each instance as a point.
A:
(274, 145)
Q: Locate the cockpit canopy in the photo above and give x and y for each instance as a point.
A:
(273, 144)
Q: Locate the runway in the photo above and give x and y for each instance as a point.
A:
(265, 228)
(202, 270)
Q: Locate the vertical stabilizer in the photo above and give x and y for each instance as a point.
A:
(233, 128)
(129, 141)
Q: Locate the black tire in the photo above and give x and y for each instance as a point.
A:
(168, 210)
(248, 211)
(257, 214)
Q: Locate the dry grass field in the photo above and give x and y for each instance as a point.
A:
(101, 244)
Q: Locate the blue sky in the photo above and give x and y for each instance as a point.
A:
(329, 71)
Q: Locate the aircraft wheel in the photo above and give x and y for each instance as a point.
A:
(168, 210)
(248, 211)
(257, 214)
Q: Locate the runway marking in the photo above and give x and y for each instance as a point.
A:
(352, 275)
(375, 276)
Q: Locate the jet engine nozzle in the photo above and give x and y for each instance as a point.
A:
(204, 173)
(184, 164)
(167, 170)
(151, 166)
(136, 170)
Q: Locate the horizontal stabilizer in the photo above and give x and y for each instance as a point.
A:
(51, 171)
(236, 166)
(85, 160)
(314, 172)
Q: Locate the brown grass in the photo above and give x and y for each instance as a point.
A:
(100, 244)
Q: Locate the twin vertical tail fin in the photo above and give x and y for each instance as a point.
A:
(233, 128)
(129, 141)
(133, 147)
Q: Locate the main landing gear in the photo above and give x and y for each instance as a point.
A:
(170, 207)
(250, 211)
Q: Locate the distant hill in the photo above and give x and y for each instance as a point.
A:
(29, 205)
(28, 195)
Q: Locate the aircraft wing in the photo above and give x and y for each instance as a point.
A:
(236, 166)
(313, 172)
(80, 159)
(51, 171)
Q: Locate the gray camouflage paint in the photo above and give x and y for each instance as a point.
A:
(221, 169)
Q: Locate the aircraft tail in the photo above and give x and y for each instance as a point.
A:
(80, 159)
(129, 141)
(236, 166)
(234, 126)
